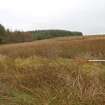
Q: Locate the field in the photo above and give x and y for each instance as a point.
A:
(53, 72)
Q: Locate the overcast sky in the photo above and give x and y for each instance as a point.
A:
(87, 16)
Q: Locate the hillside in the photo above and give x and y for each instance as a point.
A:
(7, 36)
(46, 34)
(53, 72)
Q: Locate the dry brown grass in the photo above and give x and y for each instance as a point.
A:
(53, 72)
(59, 47)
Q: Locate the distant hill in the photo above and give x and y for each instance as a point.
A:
(7, 36)
(45, 34)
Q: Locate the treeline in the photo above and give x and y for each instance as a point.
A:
(17, 36)
(7, 36)
(45, 34)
